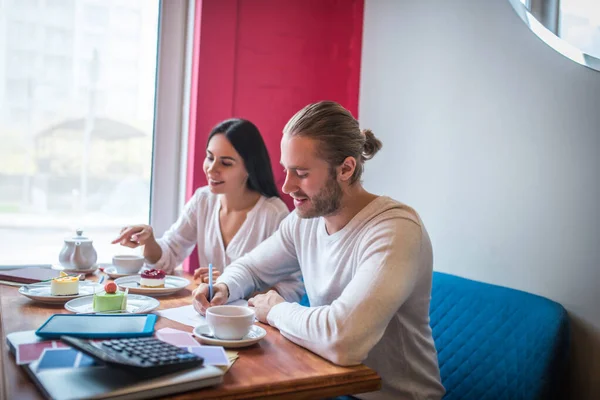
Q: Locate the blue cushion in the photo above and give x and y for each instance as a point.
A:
(304, 301)
(497, 343)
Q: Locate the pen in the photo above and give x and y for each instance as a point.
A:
(210, 282)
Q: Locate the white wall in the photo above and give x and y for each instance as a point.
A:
(493, 137)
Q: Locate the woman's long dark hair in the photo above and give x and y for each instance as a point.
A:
(245, 138)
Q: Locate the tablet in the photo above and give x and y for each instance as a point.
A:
(98, 326)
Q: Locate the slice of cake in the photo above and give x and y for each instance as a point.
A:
(110, 300)
(153, 278)
(64, 285)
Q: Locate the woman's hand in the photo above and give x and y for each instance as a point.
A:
(134, 236)
(202, 274)
(140, 235)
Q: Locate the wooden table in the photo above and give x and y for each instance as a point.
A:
(272, 368)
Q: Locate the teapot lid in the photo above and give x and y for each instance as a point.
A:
(79, 238)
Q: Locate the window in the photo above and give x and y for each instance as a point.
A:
(24, 4)
(17, 91)
(57, 69)
(580, 25)
(71, 159)
(60, 4)
(21, 32)
(59, 40)
(21, 64)
(98, 15)
(126, 20)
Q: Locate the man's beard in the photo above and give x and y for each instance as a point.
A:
(326, 202)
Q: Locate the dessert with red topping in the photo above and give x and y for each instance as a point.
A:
(153, 278)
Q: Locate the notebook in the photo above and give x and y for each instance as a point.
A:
(102, 382)
(28, 275)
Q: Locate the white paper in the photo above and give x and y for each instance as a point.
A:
(188, 316)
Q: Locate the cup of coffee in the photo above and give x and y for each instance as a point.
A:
(230, 322)
(128, 264)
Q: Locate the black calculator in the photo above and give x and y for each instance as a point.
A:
(145, 356)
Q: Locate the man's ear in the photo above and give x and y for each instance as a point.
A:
(346, 169)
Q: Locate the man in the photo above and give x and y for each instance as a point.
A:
(366, 261)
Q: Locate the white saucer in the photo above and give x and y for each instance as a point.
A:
(41, 292)
(136, 304)
(172, 284)
(87, 271)
(111, 271)
(254, 336)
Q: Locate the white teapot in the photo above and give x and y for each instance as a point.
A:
(78, 252)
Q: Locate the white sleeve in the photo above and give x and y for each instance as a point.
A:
(271, 262)
(181, 238)
(346, 330)
(292, 287)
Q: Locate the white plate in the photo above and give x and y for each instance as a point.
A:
(172, 284)
(41, 292)
(87, 271)
(111, 271)
(254, 336)
(136, 304)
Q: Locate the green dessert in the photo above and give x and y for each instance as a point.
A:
(110, 300)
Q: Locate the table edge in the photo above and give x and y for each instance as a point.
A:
(3, 353)
(366, 380)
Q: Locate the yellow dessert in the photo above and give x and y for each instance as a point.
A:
(64, 285)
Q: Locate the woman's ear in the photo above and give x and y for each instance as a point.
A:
(346, 169)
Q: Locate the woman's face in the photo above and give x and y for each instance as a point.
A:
(224, 167)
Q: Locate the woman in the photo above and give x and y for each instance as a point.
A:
(239, 208)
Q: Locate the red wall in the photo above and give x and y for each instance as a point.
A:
(263, 60)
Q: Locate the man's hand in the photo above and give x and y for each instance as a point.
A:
(202, 274)
(263, 303)
(200, 297)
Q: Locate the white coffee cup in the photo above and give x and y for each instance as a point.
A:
(230, 322)
(128, 264)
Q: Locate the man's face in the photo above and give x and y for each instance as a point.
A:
(309, 179)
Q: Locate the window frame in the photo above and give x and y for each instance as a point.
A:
(173, 84)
